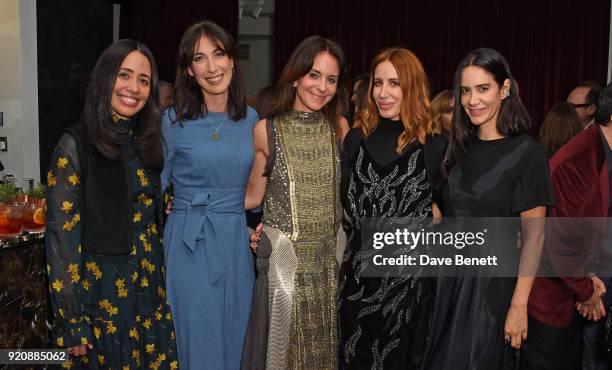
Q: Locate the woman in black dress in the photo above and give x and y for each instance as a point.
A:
(493, 170)
(383, 321)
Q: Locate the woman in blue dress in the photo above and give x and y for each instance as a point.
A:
(209, 154)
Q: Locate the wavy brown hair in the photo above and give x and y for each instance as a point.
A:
(560, 125)
(188, 98)
(299, 64)
(415, 103)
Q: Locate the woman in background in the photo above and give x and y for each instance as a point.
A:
(560, 125)
(297, 169)
(103, 248)
(441, 112)
(209, 154)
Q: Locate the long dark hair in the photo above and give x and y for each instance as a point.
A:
(189, 101)
(560, 125)
(299, 64)
(512, 118)
(97, 119)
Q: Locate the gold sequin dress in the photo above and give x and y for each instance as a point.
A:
(301, 218)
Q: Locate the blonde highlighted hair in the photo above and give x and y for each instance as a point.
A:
(415, 105)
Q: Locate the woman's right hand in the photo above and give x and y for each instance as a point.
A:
(255, 237)
(169, 205)
(80, 350)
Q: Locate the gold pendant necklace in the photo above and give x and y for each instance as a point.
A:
(215, 135)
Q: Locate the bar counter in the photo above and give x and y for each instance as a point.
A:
(23, 292)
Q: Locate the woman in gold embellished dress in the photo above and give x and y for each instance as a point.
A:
(293, 321)
(104, 255)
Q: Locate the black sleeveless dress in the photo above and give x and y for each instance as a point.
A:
(383, 322)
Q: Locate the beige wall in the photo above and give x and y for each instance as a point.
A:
(257, 33)
(19, 87)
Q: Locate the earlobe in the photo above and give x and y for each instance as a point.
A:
(295, 84)
(189, 72)
(506, 89)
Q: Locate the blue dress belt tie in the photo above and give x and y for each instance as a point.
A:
(211, 217)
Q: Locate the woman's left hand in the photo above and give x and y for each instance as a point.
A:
(515, 329)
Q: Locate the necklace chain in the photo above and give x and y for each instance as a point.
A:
(215, 135)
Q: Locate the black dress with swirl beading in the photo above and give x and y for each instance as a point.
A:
(383, 321)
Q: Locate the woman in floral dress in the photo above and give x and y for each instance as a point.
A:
(105, 260)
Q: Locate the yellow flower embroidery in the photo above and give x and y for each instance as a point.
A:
(110, 328)
(158, 316)
(58, 285)
(86, 284)
(62, 162)
(108, 307)
(61, 312)
(136, 356)
(51, 180)
(66, 206)
(150, 348)
(126, 367)
(133, 252)
(174, 365)
(134, 334)
(147, 324)
(144, 282)
(121, 291)
(67, 364)
(60, 341)
(69, 225)
(147, 247)
(145, 200)
(135, 276)
(145, 264)
(84, 340)
(161, 292)
(157, 363)
(73, 269)
(74, 179)
(94, 269)
(143, 178)
(137, 217)
(97, 332)
(168, 316)
(101, 359)
(84, 360)
(152, 229)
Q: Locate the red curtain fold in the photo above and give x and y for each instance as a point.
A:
(550, 45)
(159, 24)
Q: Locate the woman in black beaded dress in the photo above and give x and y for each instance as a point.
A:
(383, 321)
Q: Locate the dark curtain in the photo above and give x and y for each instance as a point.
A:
(550, 45)
(159, 24)
(71, 34)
